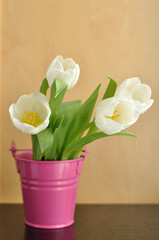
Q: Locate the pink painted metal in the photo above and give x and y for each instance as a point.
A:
(49, 189)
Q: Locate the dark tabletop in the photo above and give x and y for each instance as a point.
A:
(106, 222)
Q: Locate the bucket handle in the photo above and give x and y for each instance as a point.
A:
(13, 150)
(80, 163)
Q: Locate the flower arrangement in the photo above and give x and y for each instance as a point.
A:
(60, 130)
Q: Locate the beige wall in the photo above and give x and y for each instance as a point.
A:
(106, 37)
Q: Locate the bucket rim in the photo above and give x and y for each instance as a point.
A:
(20, 158)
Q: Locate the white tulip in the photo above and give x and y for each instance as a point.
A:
(114, 114)
(31, 113)
(140, 93)
(63, 69)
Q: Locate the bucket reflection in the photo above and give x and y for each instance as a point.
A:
(47, 234)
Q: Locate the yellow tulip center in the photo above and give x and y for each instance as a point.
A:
(31, 118)
(114, 116)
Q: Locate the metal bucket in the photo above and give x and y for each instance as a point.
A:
(49, 189)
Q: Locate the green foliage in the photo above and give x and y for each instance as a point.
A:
(62, 120)
(81, 118)
(44, 86)
(53, 152)
(65, 137)
(110, 91)
(78, 143)
(58, 91)
(42, 142)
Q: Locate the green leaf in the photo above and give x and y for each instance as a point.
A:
(78, 143)
(76, 154)
(52, 153)
(66, 112)
(45, 139)
(92, 129)
(82, 131)
(110, 91)
(58, 91)
(42, 142)
(44, 86)
(79, 134)
(82, 117)
(36, 148)
(126, 134)
(57, 87)
(68, 109)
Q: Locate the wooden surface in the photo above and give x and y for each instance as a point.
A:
(92, 222)
(119, 38)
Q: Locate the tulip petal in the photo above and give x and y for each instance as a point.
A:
(124, 94)
(51, 72)
(35, 102)
(57, 60)
(141, 93)
(23, 103)
(61, 75)
(63, 69)
(126, 112)
(29, 129)
(115, 114)
(106, 107)
(40, 96)
(107, 126)
(68, 63)
(142, 107)
(76, 77)
(128, 84)
(30, 103)
(149, 104)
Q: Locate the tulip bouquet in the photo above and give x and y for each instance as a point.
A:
(60, 130)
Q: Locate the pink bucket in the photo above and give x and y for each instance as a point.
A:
(49, 189)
